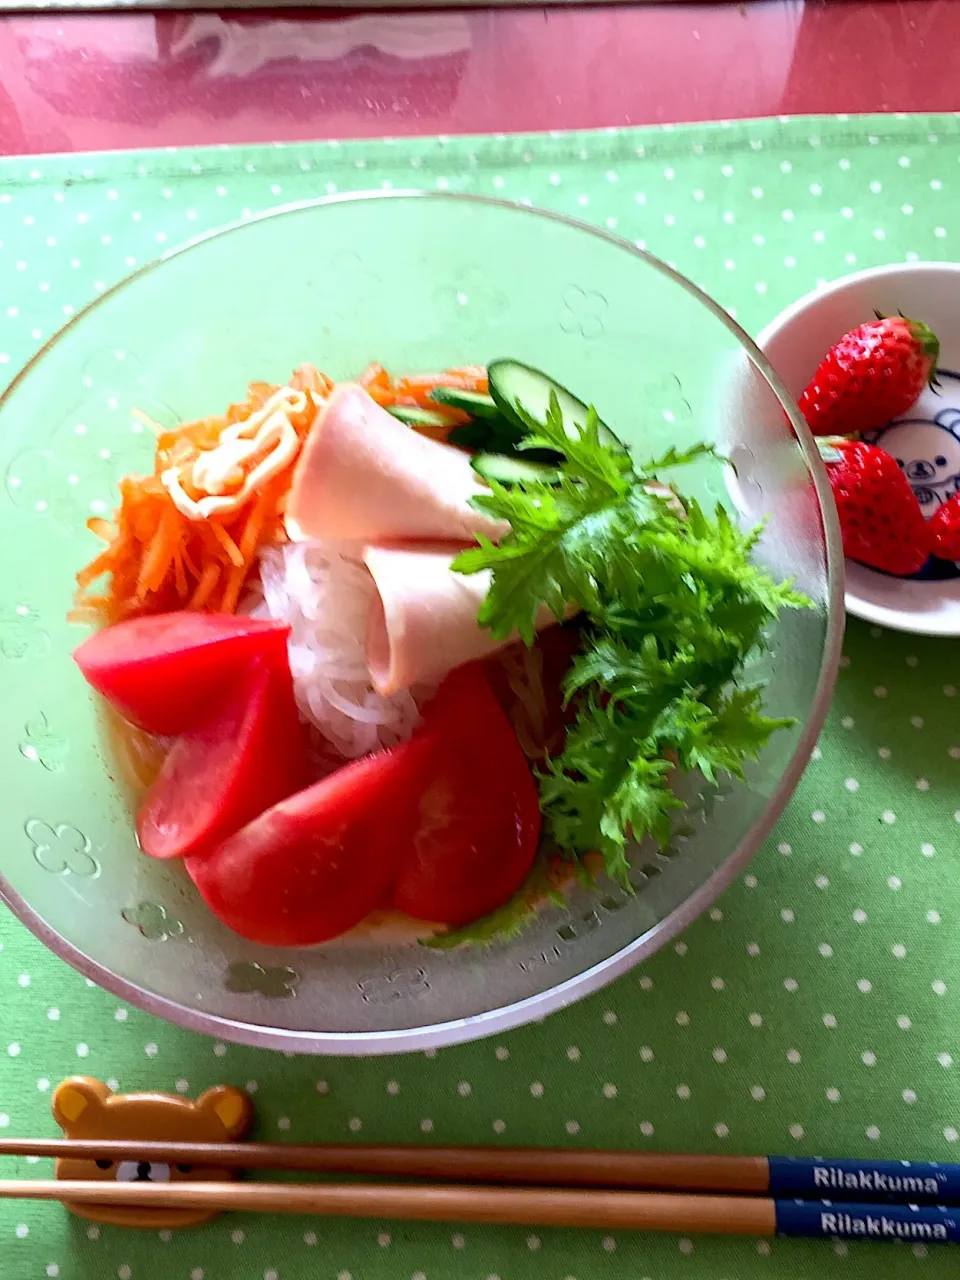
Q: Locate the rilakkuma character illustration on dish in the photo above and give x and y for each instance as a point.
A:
(928, 452)
(87, 1108)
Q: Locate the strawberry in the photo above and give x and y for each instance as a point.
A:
(945, 530)
(873, 374)
(880, 518)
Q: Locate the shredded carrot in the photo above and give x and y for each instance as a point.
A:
(416, 391)
(206, 586)
(180, 575)
(96, 568)
(228, 544)
(189, 562)
(309, 378)
(157, 559)
(231, 592)
(374, 375)
(419, 386)
(378, 384)
(383, 395)
(160, 553)
(250, 538)
(465, 379)
(475, 371)
(102, 528)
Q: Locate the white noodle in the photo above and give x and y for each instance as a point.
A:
(325, 599)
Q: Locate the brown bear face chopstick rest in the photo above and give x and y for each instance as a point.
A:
(85, 1108)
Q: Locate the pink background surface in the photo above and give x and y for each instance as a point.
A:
(91, 81)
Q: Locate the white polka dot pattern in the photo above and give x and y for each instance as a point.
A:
(812, 1010)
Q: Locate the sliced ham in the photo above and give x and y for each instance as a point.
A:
(362, 476)
(423, 622)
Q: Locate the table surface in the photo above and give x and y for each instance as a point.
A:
(71, 82)
(81, 82)
(814, 1008)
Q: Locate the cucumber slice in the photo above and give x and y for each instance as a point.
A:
(414, 416)
(487, 435)
(493, 466)
(501, 436)
(512, 382)
(472, 402)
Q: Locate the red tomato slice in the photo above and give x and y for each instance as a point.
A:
(249, 754)
(165, 672)
(314, 865)
(479, 814)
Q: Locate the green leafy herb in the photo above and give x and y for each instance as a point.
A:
(560, 533)
(674, 608)
(675, 457)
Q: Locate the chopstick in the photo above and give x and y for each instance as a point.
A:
(526, 1206)
(516, 1165)
(777, 1176)
(519, 1206)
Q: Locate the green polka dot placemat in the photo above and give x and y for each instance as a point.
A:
(813, 1010)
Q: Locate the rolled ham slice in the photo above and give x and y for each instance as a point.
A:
(423, 622)
(362, 476)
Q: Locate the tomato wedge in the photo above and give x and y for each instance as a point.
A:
(449, 819)
(165, 672)
(479, 813)
(314, 865)
(249, 753)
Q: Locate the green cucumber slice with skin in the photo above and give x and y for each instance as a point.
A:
(487, 435)
(416, 417)
(494, 466)
(498, 436)
(512, 382)
(472, 402)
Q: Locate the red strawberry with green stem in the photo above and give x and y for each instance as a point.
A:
(880, 518)
(945, 530)
(873, 374)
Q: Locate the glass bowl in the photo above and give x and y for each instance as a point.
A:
(415, 281)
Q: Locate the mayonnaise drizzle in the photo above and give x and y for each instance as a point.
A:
(267, 437)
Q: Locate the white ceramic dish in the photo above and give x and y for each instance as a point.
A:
(927, 438)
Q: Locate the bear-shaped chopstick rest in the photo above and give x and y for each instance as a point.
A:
(85, 1108)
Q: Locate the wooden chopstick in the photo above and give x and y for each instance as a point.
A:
(504, 1206)
(782, 1178)
(515, 1165)
(521, 1206)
